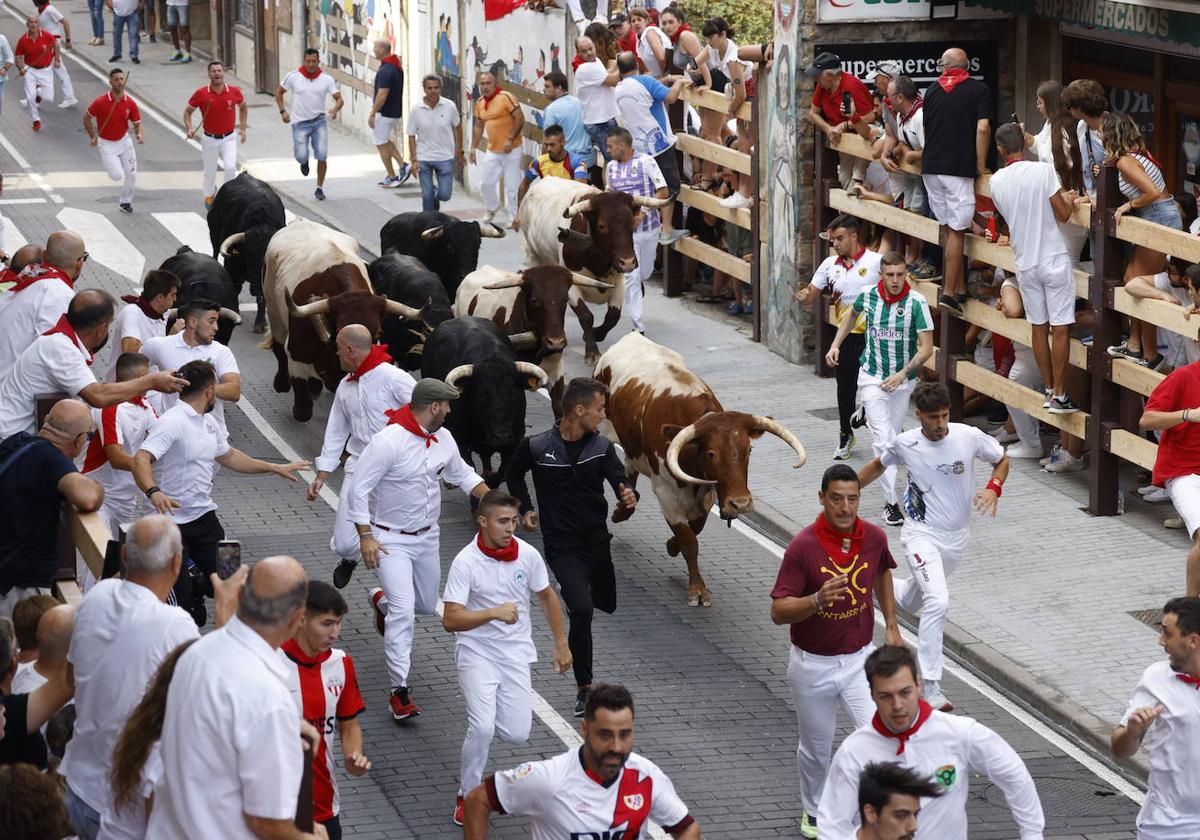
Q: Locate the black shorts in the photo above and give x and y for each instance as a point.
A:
(668, 164)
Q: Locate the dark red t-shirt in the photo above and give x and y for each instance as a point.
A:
(830, 103)
(37, 52)
(113, 117)
(850, 625)
(219, 109)
(1179, 446)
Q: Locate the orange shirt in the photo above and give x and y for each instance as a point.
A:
(498, 120)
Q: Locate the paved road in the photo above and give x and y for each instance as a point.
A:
(713, 707)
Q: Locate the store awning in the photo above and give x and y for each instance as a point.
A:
(1159, 24)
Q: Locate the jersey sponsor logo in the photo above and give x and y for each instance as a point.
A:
(619, 834)
(885, 333)
(518, 773)
(634, 802)
(946, 775)
(520, 576)
(862, 272)
(323, 725)
(957, 468)
(550, 456)
(334, 685)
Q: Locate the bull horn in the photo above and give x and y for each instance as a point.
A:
(650, 201)
(489, 230)
(230, 241)
(577, 208)
(776, 428)
(433, 233)
(230, 315)
(460, 372)
(682, 439)
(400, 310)
(578, 279)
(523, 341)
(511, 282)
(308, 310)
(170, 314)
(530, 369)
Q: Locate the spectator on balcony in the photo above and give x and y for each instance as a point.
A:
(38, 476)
(957, 129)
(906, 146)
(1085, 101)
(652, 42)
(595, 85)
(25, 617)
(499, 115)
(41, 295)
(53, 638)
(627, 37)
(722, 55)
(685, 56)
(1055, 143)
(1141, 180)
(841, 103)
(24, 715)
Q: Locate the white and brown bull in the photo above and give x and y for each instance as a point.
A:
(598, 242)
(675, 432)
(315, 283)
(530, 308)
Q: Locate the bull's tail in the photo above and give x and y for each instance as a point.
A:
(267, 341)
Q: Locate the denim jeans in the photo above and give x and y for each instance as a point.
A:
(444, 169)
(84, 818)
(315, 131)
(598, 132)
(119, 23)
(96, 12)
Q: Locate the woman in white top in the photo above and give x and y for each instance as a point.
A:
(1063, 152)
(651, 44)
(721, 54)
(688, 48)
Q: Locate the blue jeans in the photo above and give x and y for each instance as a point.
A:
(315, 131)
(119, 23)
(96, 12)
(445, 182)
(84, 818)
(598, 132)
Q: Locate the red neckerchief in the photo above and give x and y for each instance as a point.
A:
(486, 99)
(294, 652)
(8, 275)
(304, 72)
(891, 300)
(850, 263)
(140, 402)
(1194, 682)
(683, 27)
(403, 416)
(392, 59)
(34, 272)
(504, 555)
(63, 327)
(629, 42)
(575, 62)
(917, 105)
(378, 356)
(952, 77)
(1144, 152)
(923, 713)
(841, 546)
(143, 305)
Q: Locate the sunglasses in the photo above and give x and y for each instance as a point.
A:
(85, 256)
(87, 436)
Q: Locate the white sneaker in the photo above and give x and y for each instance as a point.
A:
(1024, 450)
(932, 692)
(67, 103)
(1147, 489)
(1158, 497)
(1003, 435)
(735, 201)
(1065, 462)
(489, 217)
(1053, 454)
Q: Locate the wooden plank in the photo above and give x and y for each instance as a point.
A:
(1165, 240)
(892, 218)
(1169, 316)
(68, 592)
(1001, 256)
(1134, 448)
(715, 257)
(357, 56)
(1016, 329)
(1018, 396)
(713, 102)
(350, 81)
(526, 96)
(722, 155)
(710, 204)
(1135, 377)
(90, 536)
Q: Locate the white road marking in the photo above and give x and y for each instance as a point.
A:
(13, 238)
(22, 201)
(24, 164)
(106, 245)
(189, 228)
(289, 216)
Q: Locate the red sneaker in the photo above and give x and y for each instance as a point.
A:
(37, 125)
(458, 810)
(380, 611)
(403, 707)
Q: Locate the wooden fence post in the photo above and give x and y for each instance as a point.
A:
(825, 178)
(952, 343)
(672, 260)
(1103, 486)
(756, 207)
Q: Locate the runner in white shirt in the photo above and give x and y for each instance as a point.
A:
(486, 603)
(55, 22)
(1164, 716)
(372, 386)
(197, 342)
(940, 457)
(601, 789)
(395, 500)
(143, 317)
(945, 749)
(310, 88)
(40, 296)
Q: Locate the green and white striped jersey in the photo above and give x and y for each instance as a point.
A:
(891, 334)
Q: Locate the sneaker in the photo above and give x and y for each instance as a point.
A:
(379, 607)
(1022, 450)
(458, 810)
(581, 702)
(923, 271)
(187, 59)
(95, 42)
(489, 217)
(319, 193)
(1157, 496)
(1064, 462)
(177, 57)
(342, 572)
(1053, 454)
(388, 182)
(892, 514)
(1002, 435)
(37, 125)
(126, 207)
(135, 59)
(667, 237)
(748, 308)
(735, 201)
(1123, 351)
(67, 103)
(734, 308)
(1047, 398)
(934, 697)
(304, 169)
(406, 172)
(842, 453)
(197, 610)
(153, 39)
(859, 418)
(1175, 523)
(114, 58)
(1157, 363)
(1062, 404)
(402, 705)
(808, 825)
(951, 302)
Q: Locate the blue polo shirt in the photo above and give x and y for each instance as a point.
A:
(568, 112)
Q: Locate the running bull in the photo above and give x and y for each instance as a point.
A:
(244, 216)
(448, 247)
(203, 278)
(406, 279)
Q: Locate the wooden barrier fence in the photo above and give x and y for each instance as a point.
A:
(1117, 385)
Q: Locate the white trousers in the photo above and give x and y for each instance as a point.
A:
(819, 684)
(932, 557)
(1024, 371)
(409, 574)
(344, 542)
(226, 149)
(497, 165)
(499, 700)
(39, 81)
(64, 81)
(120, 161)
(885, 418)
(645, 245)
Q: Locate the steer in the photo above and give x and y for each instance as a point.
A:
(244, 216)
(529, 307)
(406, 279)
(315, 284)
(597, 243)
(675, 432)
(203, 278)
(475, 356)
(448, 247)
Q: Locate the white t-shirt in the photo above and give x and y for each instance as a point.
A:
(50, 19)
(1021, 192)
(912, 131)
(308, 95)
(479, 582)
(185, 446)
(846, 278)
(357, 413)
(171, 352)
(721, 62)
(565, 801)
(643, 115)
(598, 99)
(646, 52)
(131, 322)
(29, 313)
(52, 364)
(941, 473)
(1043, 150)
(126, 425)
(434, 129)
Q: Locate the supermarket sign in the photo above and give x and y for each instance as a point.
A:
(859, 11)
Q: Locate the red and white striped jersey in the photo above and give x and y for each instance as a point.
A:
(326, 691)
(567, 801)
(126, 424)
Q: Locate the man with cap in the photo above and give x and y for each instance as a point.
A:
(394, 502)
(840, 103)
(618, 24)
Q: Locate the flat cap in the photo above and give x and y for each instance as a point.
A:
(431, 390)
(823, 61)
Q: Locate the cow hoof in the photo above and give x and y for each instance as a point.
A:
(700, 599)
(302, 414)
(314, 388)
(282, 383)
(621, 513)
(591, 357)
(261, 329)
(673, 547)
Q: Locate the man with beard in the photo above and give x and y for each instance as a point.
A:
(601, 789)
(185, 443)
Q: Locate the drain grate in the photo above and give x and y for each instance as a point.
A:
(824, 413)
(1062, 797)
(1151, 618)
